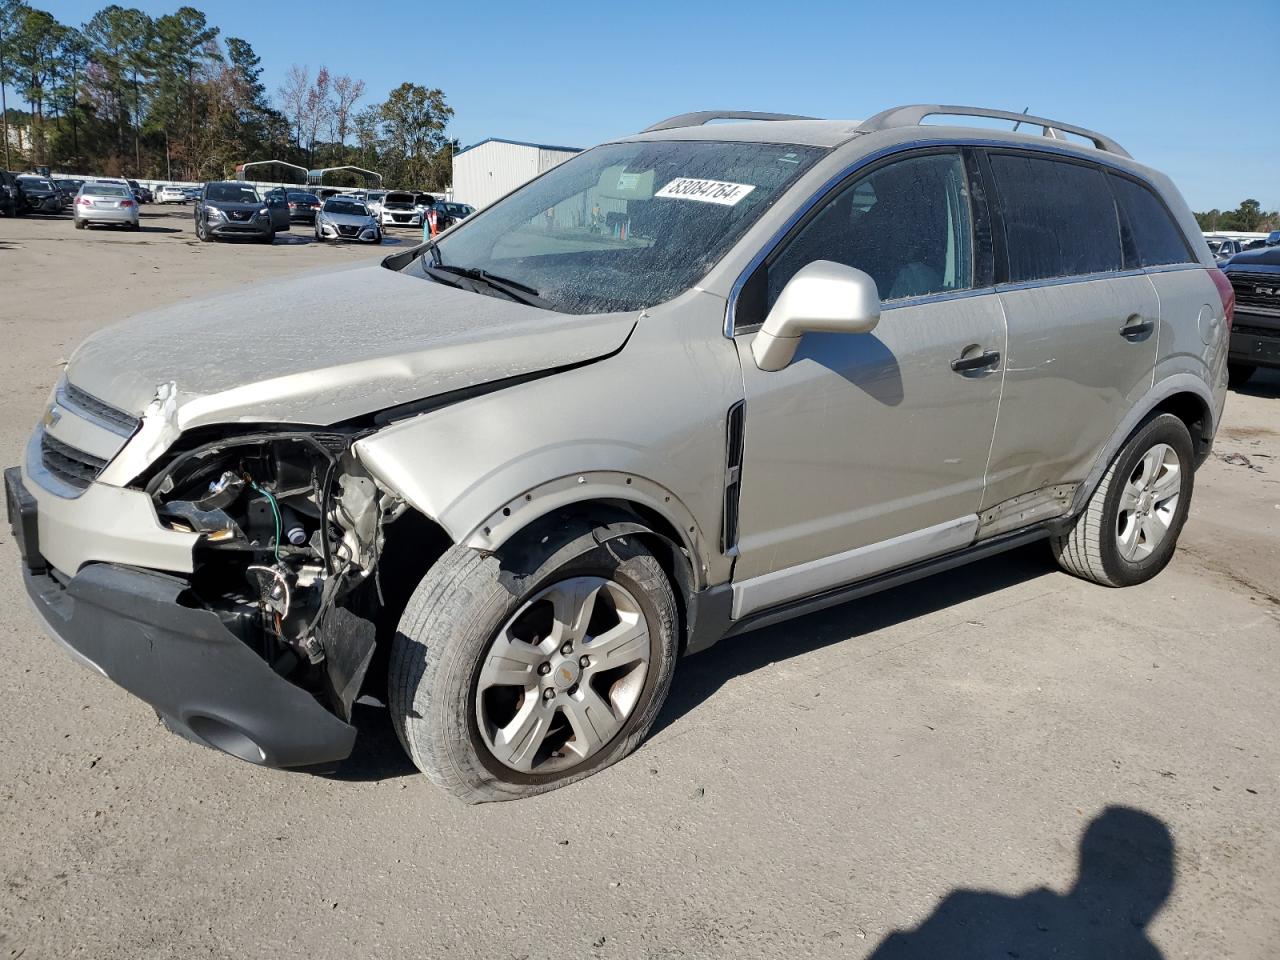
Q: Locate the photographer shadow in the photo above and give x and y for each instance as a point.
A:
(1126, 874)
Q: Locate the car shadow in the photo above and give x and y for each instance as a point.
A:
(699, 677)
(304, 239)
(1126, 873)
(378, 754)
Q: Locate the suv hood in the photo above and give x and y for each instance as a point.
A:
(322, 348)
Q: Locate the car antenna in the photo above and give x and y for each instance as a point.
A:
(1019, 123)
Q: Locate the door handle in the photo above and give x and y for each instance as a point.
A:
(976, 362)
(1135, 328)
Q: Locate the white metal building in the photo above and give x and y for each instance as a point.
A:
(492, 168)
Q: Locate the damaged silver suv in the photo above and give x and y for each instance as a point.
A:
(686, 384)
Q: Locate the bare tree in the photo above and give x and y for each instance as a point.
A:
(316, 110)
(293, 100)
(345, 94)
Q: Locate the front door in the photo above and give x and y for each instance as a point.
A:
(869, 451)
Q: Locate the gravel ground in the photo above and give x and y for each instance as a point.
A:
(927, 760)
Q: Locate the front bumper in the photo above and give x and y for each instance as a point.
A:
(134, 627)
(367, 235)
(239, 228)
(399, 218)
(1255, 340)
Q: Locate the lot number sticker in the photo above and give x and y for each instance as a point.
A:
(708, 191)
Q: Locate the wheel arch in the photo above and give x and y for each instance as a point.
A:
(1184, 395)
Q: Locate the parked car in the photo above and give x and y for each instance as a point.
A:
(69, 185)
(13, 201)
(504, 479)
(41, 194)
(140, 193)
(193, 193)
(172, 193)
(231, 209)
(1224, 249)
(343, 219)
(1273, 238)
(105, 203)
(303, 206)
(400, 209)
(1255, 335)
(373, 200)
(455, 211)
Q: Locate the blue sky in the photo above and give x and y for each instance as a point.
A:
(1172, 81)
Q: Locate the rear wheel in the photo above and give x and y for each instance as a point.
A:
(1129, 528)
(506, 686)
(1238, 374)
(79, 224)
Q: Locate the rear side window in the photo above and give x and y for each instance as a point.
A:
(1152, 239)
(1059, 218)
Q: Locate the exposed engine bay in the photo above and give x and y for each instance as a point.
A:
(292, 531)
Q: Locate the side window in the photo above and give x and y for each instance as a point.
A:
(1059, 218)
(907, 224)
(1154, 237)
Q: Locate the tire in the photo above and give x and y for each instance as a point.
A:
(378, 239)
(1094, 548)
(202, 231)
(319, 236)
(1238, 374)
(444, 647)
(79, 224)
(270, 238)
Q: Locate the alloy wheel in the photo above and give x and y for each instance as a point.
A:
(1148, 502)
(563, 675)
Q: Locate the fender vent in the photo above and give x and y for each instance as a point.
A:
(732, 478)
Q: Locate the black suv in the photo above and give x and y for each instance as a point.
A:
(1255, 336)
(13, 201)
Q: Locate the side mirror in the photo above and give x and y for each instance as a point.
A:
(822, 296)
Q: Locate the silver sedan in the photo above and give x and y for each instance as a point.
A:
(105, 203)
(343, 219)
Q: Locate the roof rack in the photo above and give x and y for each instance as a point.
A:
(706, 116)
(912, 115)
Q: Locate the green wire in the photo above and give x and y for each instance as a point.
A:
(275, 512)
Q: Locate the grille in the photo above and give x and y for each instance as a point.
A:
(73, 396)
(73, 467)
(402, 217)
(238, 215)
(348, 231)
(1256, 289)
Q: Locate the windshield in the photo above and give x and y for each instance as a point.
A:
(346, 206)
(626, 225)
(35, 183)
(232, 193)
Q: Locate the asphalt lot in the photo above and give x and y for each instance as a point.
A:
(808, 790)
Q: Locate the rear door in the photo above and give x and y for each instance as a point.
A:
(1083, 331)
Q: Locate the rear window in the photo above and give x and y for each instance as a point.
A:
(296, 197)
(1151, 237)
(105, 190)
(1059, 218)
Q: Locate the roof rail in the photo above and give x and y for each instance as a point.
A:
(706, 116)
(912, 115)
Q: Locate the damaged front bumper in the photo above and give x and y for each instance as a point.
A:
(141, 629)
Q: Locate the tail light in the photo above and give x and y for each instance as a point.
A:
(84, 201)
(1228, 294)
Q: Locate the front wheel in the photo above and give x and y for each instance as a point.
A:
(1129, 528)
(202, 230)
(504, 687)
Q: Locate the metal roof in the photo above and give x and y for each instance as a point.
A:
(517, 143)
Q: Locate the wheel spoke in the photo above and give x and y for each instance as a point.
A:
(518, 742)
(592, 720)
(573, 602)
(512, 665)
(1168, 483)
(1150, 464)
(620, 645)
(1154, 527)
(1130, 498)
(1128, 538)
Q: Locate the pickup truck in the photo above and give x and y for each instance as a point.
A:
(1255, 336)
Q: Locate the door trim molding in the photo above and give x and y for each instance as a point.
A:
(815, 576)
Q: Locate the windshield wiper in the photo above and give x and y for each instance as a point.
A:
(512, 288)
